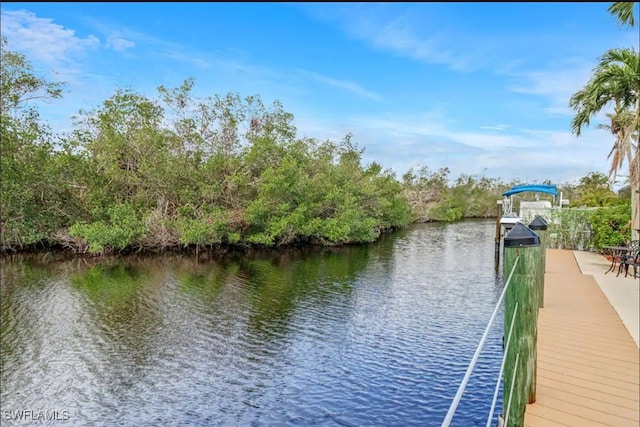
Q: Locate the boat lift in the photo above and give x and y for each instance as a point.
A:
(508, 217)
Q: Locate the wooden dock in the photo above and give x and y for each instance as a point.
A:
(588, 364)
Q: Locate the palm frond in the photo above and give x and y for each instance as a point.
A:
(615, 79)
(623, 12)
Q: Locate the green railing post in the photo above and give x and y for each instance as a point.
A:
(520, 242)
(539, 225)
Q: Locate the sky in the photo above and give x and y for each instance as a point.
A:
(479, 88)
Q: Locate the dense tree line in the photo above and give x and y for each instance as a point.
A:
(180, 171)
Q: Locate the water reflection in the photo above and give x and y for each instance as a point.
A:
(368, 335)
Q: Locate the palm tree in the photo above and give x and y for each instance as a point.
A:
(625, 145)
(622, 128)
(615, 80)
(623, 11)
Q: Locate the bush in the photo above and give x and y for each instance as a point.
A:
(610, 226)
(568, 228)
(122, 230)
(448, 211)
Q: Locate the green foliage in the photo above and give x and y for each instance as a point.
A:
(122, 229)
(234, 238)
(350, 225)
(229, 170)
(179, 170)
(196, 232)
(588, 228)
(615, 83)
(594, 190)
(469, 197)
(36, 197)
(610, 226)
(449, 211)
(568, 228)
(424, 190)
(206, 229)
(19, 86)
(329, 197)
(623, 12)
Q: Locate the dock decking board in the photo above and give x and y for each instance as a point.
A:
(588, 363)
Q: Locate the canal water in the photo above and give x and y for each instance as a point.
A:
(373, 335)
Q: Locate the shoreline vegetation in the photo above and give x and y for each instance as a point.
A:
(183, 173)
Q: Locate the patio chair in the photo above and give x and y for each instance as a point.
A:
(619, 254)
(632, 259)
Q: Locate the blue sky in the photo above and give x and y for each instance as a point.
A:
(480, 88)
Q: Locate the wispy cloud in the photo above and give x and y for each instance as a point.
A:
(555, 85)
(121, 39)
(341, 84)
(434, 126)
(397, 36)
(427, 138)
(499, 127)
(119, 44)
(403, 34)
(59, 54)
(43, 40)
(184, 57)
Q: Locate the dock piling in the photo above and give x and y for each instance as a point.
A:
(521, 363)
(539, 226)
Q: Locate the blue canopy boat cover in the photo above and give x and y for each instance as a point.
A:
(541, 188)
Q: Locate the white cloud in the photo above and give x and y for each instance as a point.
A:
(428, 139)
(186, 58)
(557, 86)
(398, 37)
(499, 127)
(43, 40)
(119, 44)
(342, 84)
(399, 33)
(120, 38)
(433, 125)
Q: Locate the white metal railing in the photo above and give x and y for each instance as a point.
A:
(513, 381)
(504, 359)
(465, 380)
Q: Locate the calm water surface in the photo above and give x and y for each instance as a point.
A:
(376, 335)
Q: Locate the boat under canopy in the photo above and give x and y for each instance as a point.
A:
(509, 220)
(509, 217)
(541, 188)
